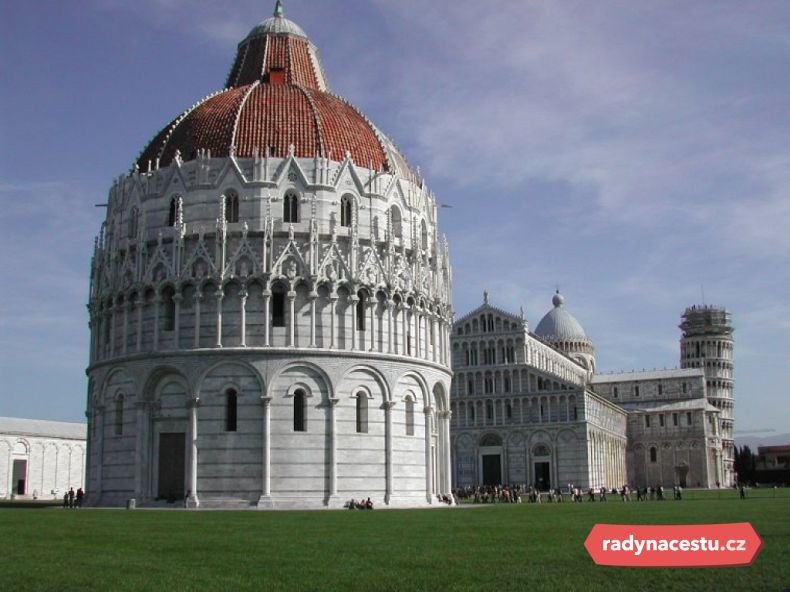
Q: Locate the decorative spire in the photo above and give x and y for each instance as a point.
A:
(278, 9)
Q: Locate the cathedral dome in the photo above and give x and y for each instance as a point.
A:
(276, 100)
(559, 324)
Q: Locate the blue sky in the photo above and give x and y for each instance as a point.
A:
(633, 154)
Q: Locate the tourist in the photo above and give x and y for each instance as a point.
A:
(80, 496)
(71, 497)
(368, 504)
(742, 490)
(66, 500)
(602, 494)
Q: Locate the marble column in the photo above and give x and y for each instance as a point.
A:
(125, 344)
(243, 317)
(267, 318)
(313, 298)
(197, 298)
(141, 453)
(332, 452)
(333, 323)
(265, 500)
(178, 298)
(220, 296)
(390, 305)
(388, 405)
(192, 498)
(291, 318)
(354, 328)
(428, 411)
(99, 419)
(157, 315)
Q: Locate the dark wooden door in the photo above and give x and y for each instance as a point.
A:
(172, 451)
(492, 469)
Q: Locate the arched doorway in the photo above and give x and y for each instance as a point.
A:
(491, 460)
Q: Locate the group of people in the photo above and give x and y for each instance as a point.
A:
(500, 494)
(360, 505)
(72, 499)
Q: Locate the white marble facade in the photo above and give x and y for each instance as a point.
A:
(40, 459)
(271, 330)
(528, 408)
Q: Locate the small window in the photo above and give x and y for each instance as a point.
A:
(509, 411)
(688, 418)
(410, 417)
(470, 387)
(653, 454)
(231, 206)
(675, 419)
(362, 413)
(172, 214)
(615, 392)
(361, 306)
(661, 420)
(231, 410)
(489, 410)
(683, 388)
(647, 421)
(346, 204)
(300, 408)
(168, 309)
(119, 416)
(291, 208)
(396, 222)
(134, 216)
(660, 389)
(278, 307)
(636, 391)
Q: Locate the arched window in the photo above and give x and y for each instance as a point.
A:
(291, 208)
(396, 222)
(361, 306)
(489, 410)
(231, 410)
(119, 415)
(134, 215)
(653, 454)
(346, 204)
(171, 216)
(278, 306)
(409, 417)
(300, 411)
(168, 309)
(231, 206)
(362, 413)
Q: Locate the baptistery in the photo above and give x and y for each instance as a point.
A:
(270, 304)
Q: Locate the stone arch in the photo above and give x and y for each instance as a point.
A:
(280, 373)
(253, 384)
(372, 374)
(421, 383)
(440, 398)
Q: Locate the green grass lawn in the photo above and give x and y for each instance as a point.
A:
(498, 547)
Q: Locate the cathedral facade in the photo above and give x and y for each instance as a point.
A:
(531, 409)
(270, 304)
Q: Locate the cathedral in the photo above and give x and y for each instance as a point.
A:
(530, 408)
(270, 304)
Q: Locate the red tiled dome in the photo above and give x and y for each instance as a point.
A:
(276, 96)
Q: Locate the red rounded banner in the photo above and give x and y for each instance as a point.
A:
(680, 545)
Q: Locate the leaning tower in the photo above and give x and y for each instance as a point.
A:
(707, 343)
(270, 304)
